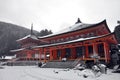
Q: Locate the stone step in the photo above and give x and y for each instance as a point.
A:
(22, 63)
(67, 64)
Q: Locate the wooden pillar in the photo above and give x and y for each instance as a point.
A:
(31, 52)
(60, 57)
(63, 53)
(106, 50)
(86, 51)
(42, 54)
(73, 53)
(95, 49)
(95, 53)
(70, 53)
(40, 51)
(54, 54)
(28, 54)
(51, 55)
(44, 51)
(25, 57)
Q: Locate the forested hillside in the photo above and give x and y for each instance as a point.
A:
(9, 33)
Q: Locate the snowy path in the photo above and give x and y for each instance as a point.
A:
(35, 73)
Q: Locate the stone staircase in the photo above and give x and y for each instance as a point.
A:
(60, 64)
(57, 64)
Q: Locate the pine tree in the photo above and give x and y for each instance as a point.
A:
(117, 32)
(44, 32)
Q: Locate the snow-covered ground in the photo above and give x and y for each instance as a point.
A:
(36, 73)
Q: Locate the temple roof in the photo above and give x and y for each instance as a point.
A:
(29, 36)
(75, 27)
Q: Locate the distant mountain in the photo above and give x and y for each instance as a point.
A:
(9, 33)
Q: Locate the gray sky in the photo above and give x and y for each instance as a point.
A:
(58, 14)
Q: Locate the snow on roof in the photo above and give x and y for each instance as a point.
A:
(16, 50)
(28, 36)
(74, 27)
(80, 39)
(8, 57)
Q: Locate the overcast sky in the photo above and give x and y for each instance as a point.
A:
(58, 14)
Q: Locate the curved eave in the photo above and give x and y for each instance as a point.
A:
(28, 37)
(17, 50)
(91, 26)
(106, 25)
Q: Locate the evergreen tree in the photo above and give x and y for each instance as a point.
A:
(44, 32)
(117, 32)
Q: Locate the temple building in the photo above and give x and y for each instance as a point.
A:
(79, 41)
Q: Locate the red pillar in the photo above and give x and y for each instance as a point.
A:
(60, 57)
(95, 49)
(107, 54)
(40, 51)
(54, 54)
(73, 53)
(62, 53)
(51, 55)
(28, 54)
(44, 51)
(86, 51)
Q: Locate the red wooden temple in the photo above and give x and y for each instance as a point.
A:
(79, 41)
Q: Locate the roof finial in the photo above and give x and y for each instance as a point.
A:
(78, 21)
(31, 29)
